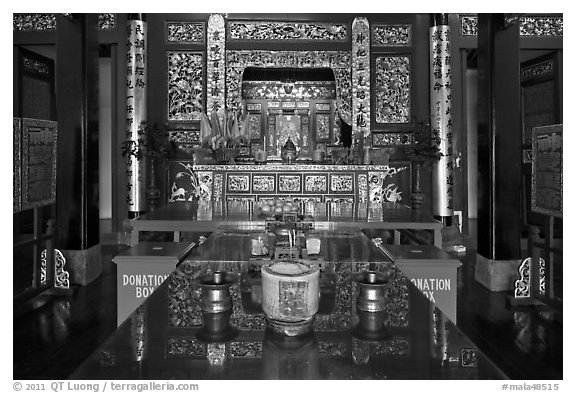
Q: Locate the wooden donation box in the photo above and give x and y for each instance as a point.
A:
(433, 271)
(141, 269)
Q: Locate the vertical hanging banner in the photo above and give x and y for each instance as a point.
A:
(361, 77)
(136, 81)
(215, 66)
(441, 120)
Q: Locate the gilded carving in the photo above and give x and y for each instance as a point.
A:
(185, 77)
(289, 183)
(271, 30)
(24, 22)
(341, 183)
(393, 101)
(392, 35)
(339, 61)
(391, 138)
(315, 183)
(546, 26)
(239, 183)
(188, 32)
(246, 349)
(263, 183)
(322, 126)
(106, 21)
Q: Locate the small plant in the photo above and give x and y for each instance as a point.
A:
(425, 145)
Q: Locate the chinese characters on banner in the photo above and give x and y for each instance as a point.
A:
(441, 115)
(361, 77)
(215, 66)
(135, 112)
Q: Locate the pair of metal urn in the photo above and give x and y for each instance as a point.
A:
(371, 305)
(216, 306)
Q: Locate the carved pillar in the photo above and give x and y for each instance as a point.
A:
(361, 77)
(136, 115)
(441, 116)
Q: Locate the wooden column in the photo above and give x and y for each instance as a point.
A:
(77, 114)
(499, 138)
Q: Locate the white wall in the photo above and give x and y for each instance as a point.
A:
(105, 137)
(472, 138)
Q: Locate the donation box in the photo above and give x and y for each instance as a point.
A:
(141, 269)
(433, 271)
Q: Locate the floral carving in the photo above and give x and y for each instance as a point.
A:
(190, 32)
(185, 78)
(393, 103)
(392, 35)
(244, 30)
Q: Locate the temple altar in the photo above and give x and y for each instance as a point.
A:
(303, 182)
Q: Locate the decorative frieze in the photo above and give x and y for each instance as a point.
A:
(342, 183)
(186, 32)
(338, 61)
(393, 85)
(537, 70)
(392, 35)
(238, 183)
(361, 77)
(397, 346)
(315, 183)
(272, 31)
(380, 139)
(216, 65)
(289, 183)
(184, 137)
(322, 126)
(246, 349)
(185, 77)
(332, 349)
(43, 22)
(40, 22)
(469, 25)
(180, 347)
(302, 90)
(542, 26)
(262, 183)
(254, 125)
(530, 26)
(106, 21)
(17, 165)
(36, 67)
(218, 186)
(362, 188)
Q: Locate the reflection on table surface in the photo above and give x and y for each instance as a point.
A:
(317, 211)
(160, 340)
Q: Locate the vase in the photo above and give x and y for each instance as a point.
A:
(417, 197)
(153, 191)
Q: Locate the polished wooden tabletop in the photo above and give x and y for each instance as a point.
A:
(162, 340)
(210, 216)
